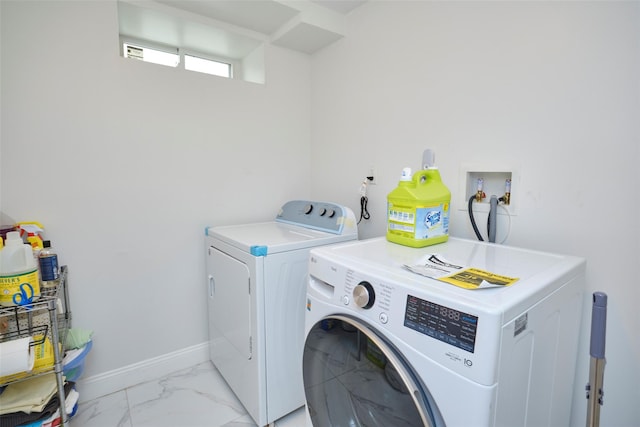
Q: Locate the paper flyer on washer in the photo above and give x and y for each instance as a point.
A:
(437, 267)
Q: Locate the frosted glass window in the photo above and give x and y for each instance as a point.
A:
(151, 55)
(207, 66)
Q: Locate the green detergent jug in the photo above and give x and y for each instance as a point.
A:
(418, 209)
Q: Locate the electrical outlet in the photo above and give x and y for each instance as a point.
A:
(371, 176)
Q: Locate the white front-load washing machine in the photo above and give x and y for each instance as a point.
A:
(388, 347)
(257, 278)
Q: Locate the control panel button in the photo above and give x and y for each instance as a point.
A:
(383, 318)
(345, 300)
(307, 209)
(322, 212)
(363, 295)
(331, 213)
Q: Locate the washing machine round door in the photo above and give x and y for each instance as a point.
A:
(354, 377)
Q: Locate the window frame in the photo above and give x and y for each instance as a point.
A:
(145, 44)
(234, 65)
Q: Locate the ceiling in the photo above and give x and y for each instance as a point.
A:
(341, 6)
(233, 27)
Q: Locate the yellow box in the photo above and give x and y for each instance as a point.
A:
(44, 359)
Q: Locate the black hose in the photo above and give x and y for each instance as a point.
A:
(473, 220)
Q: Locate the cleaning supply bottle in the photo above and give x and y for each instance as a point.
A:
(418, 209)
(19, 280)
(49, 271)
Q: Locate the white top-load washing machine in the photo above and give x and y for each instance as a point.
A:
(388, 347)
(257, 278)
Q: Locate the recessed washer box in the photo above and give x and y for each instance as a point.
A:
(494, 183)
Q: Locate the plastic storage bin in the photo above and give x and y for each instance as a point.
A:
(73, 370)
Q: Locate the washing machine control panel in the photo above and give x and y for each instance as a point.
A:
(442, 323)
(372, 296)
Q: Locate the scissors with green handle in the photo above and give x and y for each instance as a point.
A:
(24, 298)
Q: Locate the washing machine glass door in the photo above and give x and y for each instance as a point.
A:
(354, 377)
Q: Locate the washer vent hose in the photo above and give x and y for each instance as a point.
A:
(491, 219)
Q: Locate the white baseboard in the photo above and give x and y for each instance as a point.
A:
(147, 370)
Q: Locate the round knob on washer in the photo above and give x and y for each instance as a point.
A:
(323, 211)
(307, 209)
(363, 295)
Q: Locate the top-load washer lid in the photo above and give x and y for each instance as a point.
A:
(299, 224)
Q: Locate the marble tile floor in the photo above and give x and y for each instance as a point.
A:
(195, 397)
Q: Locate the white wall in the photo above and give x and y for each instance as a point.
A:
(550, 88)
(125, 163)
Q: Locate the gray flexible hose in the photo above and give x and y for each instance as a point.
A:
(493, 214)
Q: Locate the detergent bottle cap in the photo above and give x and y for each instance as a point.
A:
(406, 174)
(13, 239)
